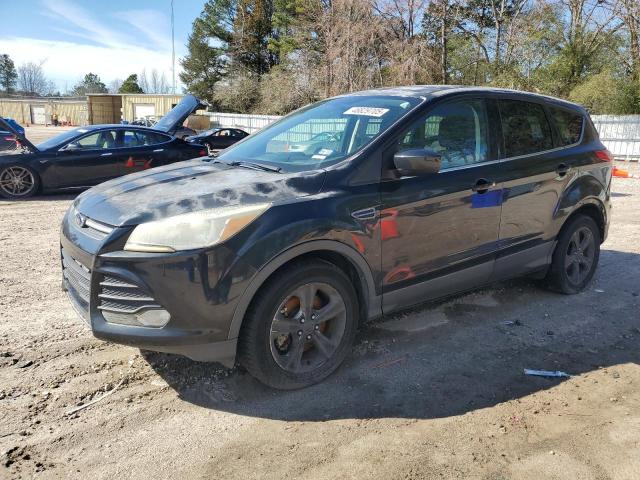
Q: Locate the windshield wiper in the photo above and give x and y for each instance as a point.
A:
(256, 166)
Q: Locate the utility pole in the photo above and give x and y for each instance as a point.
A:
(173, 50)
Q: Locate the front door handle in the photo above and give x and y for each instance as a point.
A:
(482, 185)
(106, 154)
(562, 169)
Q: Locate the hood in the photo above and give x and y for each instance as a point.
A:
(178, 114)
(7, 127)
(188, 187)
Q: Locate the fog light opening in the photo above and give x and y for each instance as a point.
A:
(155, 318)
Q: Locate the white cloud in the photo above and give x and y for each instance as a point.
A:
(153, 24)
(83, 21)
(109, 49)
(67, 62)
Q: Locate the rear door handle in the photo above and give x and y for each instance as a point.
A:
(482, 185)
(158, 150)
(562, 169)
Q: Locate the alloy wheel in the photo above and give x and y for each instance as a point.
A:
(580, 255)
(17, 181)
(308, 327)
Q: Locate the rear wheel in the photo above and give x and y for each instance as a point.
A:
(18, 181)
(576, 256)
(300, 327)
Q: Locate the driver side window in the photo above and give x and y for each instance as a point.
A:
(457, 131)
(99, 140)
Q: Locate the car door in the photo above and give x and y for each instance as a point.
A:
(439, 232)
(143, 149)
(87, 160)
(534, 174)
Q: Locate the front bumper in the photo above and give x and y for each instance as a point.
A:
(192, 287)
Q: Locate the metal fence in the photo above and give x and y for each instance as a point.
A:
(620, 134)
(249, 123)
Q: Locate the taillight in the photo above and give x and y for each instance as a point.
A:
(203, 153)
(604, 155)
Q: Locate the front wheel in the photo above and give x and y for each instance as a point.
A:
(18, 181)
(576, 256)
(300, 326)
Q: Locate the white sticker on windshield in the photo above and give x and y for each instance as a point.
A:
(325, 151)
(318, 157)
(367, 111)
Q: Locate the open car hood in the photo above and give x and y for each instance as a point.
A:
(178, 114)
(5, 126)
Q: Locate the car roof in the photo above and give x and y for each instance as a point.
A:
(117, 126)
(428, 92)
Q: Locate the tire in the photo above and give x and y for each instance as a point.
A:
(278, 325)
(563, 276)
(13, 191)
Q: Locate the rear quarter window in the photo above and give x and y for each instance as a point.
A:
(525, 128)
(569, 125)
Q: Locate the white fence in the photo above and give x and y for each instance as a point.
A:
(620, 133)
(249, 123)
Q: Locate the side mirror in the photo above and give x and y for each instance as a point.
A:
(419, 161)
(70, 147)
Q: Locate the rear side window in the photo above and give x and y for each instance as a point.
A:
(137, 138)
(569, 125)
(525, 128)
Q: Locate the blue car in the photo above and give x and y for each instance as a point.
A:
(8, 140)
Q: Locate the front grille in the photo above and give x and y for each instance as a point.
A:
(119, 296)
(78, 281)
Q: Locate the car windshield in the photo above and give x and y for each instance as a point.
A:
(323, 133)
(59, 140)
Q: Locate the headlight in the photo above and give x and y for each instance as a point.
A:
(200, 229)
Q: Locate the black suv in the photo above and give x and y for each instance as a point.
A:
(273, 255)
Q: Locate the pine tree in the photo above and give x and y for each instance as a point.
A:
(91, 83)
(130, 85)
(8, 73)
(252, 30)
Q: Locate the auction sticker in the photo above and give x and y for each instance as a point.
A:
(367, 111)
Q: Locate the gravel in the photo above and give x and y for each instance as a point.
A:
(417, 398)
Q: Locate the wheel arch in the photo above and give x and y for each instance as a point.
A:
(591, 207)
(341, 255)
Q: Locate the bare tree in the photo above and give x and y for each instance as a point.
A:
(31, 79)
(158, 82)
(115, 85)
(630, 14)
(154, 82)
(143, 81)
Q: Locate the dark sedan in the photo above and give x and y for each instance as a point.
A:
(218, 138)
(87, 156)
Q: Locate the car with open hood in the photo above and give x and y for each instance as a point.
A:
(8, 140)
(272, 256)
(87, 156)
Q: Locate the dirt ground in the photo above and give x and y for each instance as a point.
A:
(437, 392)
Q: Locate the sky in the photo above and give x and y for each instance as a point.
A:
(111, 38)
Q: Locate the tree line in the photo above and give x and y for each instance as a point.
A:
(273, 56)
(29, 79)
